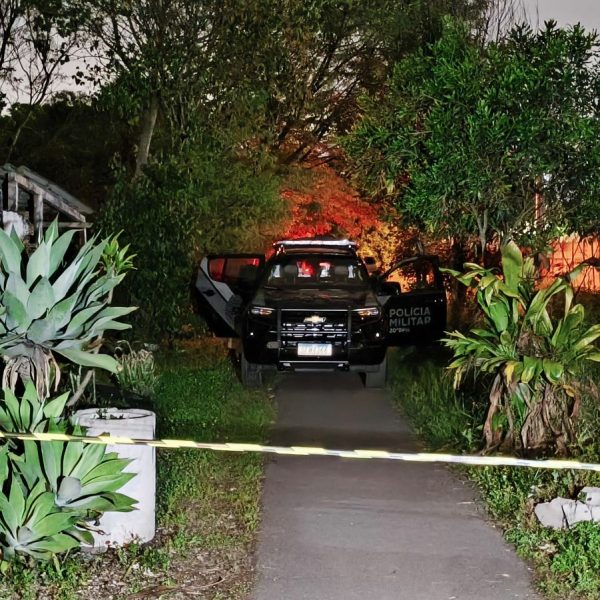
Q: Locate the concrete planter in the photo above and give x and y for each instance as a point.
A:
(139, 525)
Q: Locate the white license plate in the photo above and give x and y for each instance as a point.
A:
(314, 349)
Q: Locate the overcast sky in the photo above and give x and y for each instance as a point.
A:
(566, 12)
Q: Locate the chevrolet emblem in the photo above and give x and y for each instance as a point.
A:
(315, 320)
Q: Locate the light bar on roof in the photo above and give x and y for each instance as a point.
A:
(333, 243)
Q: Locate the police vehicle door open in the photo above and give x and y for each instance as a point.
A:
(414, 301)
(225, 282)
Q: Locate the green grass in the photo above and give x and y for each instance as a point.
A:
(567, 562)
(423, 391)
(208, 504)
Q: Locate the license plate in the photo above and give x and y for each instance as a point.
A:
(314, 349)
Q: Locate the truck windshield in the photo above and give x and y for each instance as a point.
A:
(294, 271)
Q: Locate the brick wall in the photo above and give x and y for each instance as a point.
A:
(570, 251)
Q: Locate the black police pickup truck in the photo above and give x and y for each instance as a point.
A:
(314, 306)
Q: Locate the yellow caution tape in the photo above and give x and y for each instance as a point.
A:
(423, 457)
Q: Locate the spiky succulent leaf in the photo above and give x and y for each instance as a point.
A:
(41, 299)
(3, 464)
(83, 536)
(17, 287)
(37, 265)
(10, 253)
(51, 232)
(42, 332)
(68, 490)
(53, 409)
(88, 359)
(30, 413)
(58, 250)
(16, 317)
(14, 236)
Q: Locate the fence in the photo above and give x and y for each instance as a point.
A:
(570, 251)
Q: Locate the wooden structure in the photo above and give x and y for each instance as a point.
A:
(33, 202)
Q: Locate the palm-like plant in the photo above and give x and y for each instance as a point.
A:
(536, 359)
(48, 309)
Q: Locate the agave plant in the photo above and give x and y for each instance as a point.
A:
(29, 413)
(536, 359)
(49, 306)
(31, 523)
(50, 492)
(82, 477)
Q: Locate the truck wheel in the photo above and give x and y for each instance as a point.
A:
(376, 379)
(251, 373)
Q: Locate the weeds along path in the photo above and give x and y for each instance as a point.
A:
(566, 561)
(208, 503)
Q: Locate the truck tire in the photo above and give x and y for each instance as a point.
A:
(251, 373)
(376, 379)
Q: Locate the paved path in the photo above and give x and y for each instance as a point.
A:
(338, 529)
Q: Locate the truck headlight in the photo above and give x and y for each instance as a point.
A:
(370, 311)
(261, 311)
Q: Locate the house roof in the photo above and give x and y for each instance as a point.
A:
(51, 188)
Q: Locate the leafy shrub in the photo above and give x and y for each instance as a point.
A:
(577, 558)
(535, 357)
(199, 201)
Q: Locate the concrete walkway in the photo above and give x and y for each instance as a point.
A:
(338, 529)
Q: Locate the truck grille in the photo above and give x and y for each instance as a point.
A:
(313, 326)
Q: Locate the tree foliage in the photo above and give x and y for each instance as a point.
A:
(467, 138)
(156, 57)
(71, 140)
(326, 53)
(199, 201)
(37, 38)
(294, 69)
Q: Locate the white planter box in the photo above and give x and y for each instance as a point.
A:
(139, 525)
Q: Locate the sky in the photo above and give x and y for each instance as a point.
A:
(565, 12)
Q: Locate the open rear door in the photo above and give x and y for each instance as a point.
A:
(225, 283)
(414, 301)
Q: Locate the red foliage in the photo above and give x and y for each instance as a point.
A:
(328, 207)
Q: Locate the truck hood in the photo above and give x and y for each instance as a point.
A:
(307, 298)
